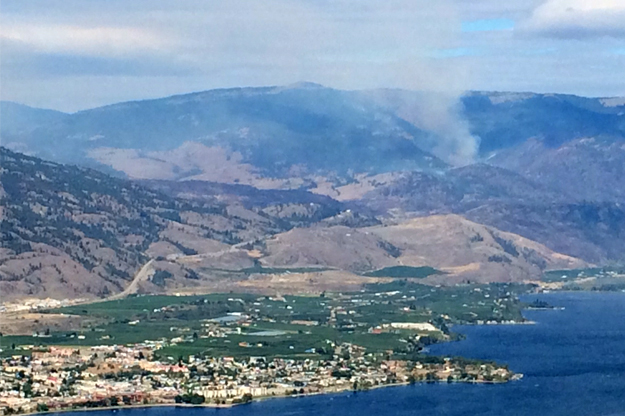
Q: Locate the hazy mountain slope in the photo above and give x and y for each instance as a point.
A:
(545, 153)
(277, 132)
(589, 168)
(503, 120)
(566, 221)
(305, 135)
(593, 231)
(18, 119)
(293, 207)
(456, 190)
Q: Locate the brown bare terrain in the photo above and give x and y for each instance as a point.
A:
(463, 250)
(471, 251)
(69, 232)
(73, 233)
(25, 323)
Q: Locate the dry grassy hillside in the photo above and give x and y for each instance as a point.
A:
(463, 249)
(470, 251)
(69, 232)
(338, 247)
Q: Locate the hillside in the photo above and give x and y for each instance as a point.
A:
(569, 222)
(464, 249)
(549, 167)
(295, 207)
(75, 232)
(470, 251)
(241, 135)
(444, 249)
(589, 168)
(593, 231)
(70, 232)
(504, 120)
(309, 136)
(312, 137)
(18, 119)
(455, 190)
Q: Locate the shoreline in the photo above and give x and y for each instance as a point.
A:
(515, 377)
(130, 407)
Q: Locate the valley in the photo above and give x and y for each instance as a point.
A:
(253, 252)
(105, 230)
(205, 205)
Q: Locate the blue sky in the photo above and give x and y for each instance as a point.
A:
(77, 54)
(487, 25)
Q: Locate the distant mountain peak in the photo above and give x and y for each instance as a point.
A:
(305, 85)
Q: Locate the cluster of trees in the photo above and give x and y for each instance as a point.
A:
(190, 398)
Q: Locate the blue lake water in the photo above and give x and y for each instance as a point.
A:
(573, 361)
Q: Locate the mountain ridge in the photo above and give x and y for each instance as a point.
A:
(549, 164)
(70, 232)
(278, 134)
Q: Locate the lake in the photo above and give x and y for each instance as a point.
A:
(573, 361)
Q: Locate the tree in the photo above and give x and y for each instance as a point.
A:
(431, 377)
(190, 399)
(27, 389)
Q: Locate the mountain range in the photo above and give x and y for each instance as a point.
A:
(217, 186)
(299, 135)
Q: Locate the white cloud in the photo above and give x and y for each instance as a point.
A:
(90, 41)
(73, 54)
(339, 43)
(578, 18)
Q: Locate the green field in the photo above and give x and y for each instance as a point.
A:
(332, 318)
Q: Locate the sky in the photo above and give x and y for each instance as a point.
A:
(71, 55)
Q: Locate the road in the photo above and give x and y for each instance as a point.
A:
(141, 276)
(144, 273)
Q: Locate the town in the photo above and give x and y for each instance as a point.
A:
(106, 376)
